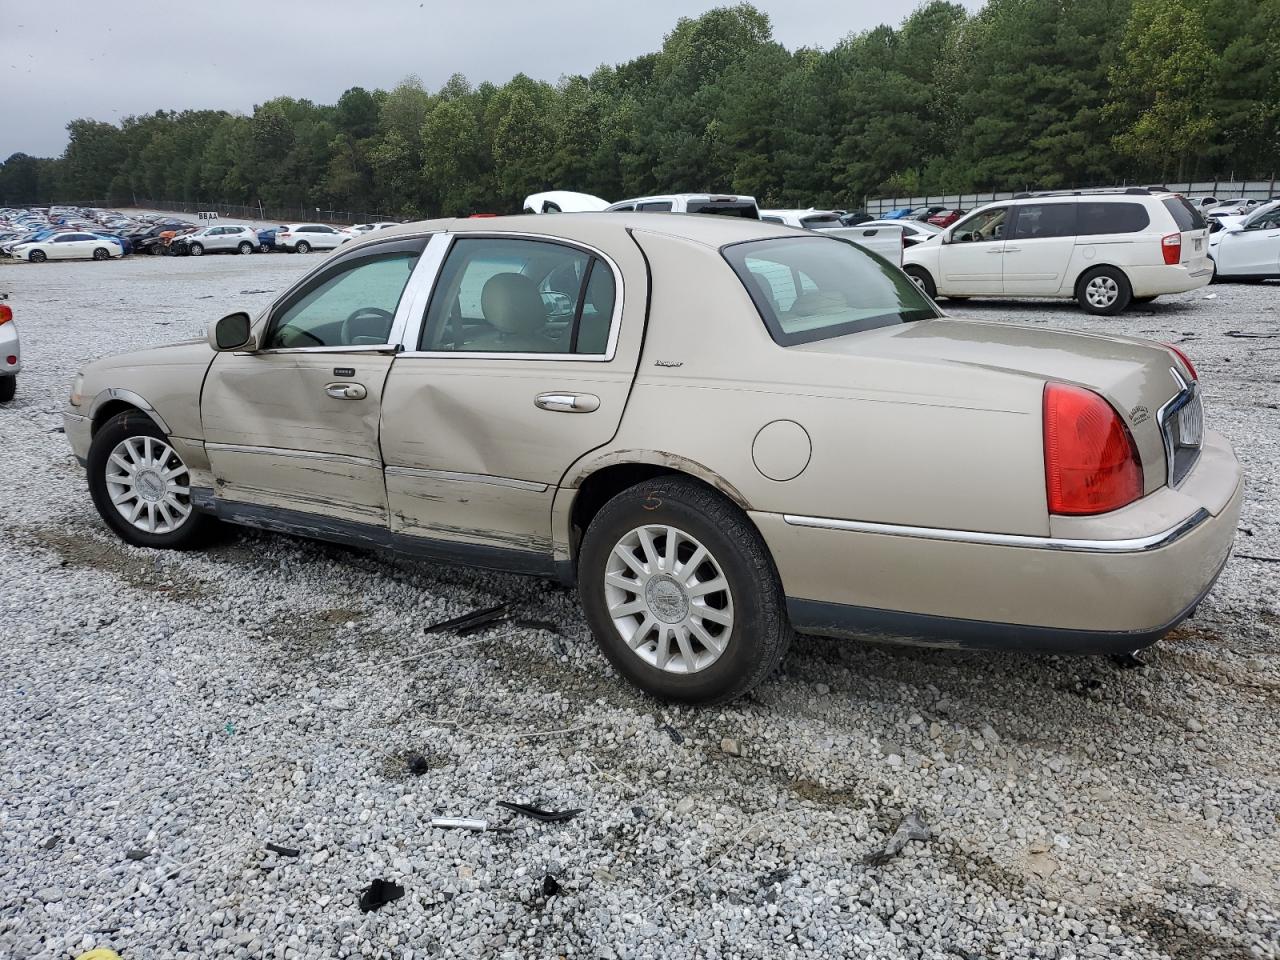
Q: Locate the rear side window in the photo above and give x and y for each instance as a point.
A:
(1100, 217)
(654, 206)
(1184, 214)
(815, 288)
(1038, 221)
(725, 208)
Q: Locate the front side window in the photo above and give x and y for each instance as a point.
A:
(1038, 221)
(1267, 220)
(500, 295)
(814, 288)
(982, 227)
(352, 305)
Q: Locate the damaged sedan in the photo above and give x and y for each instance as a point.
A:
(720, 430)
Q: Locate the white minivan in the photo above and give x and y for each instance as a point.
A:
(1105, 250)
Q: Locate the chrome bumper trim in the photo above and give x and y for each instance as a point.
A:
(1152, 541)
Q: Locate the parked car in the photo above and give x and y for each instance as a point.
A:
(68, 246)
(888, 239)
(913, 231)
(10, 352)
(1248, 248)
(1232, 208)
(855, 217)
(305, 237)
(924, 213)
(898, 214)
(563, 201)
(810, 219)
(822, 450)
(223, 238)
(725, 205)
(267, 239)
(945, 217)
(1104, 249)
(360, 229)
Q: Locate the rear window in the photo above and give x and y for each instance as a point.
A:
(819, 220)
(725, 208)
(1095, 217)
(1184, 214)
(815, 288)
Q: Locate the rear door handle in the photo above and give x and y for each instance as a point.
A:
(999, 250)
(346, 391)
(1012, 249)
(567, 402)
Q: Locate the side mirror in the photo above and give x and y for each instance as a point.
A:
(232, 332)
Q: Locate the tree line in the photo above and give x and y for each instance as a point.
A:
(1040, 93)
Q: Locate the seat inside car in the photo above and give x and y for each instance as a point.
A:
(511, 304)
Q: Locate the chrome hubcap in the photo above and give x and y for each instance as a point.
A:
(669, 599)
(149, 484)
(1102, 291)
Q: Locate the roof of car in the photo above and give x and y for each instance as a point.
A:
(709, 229)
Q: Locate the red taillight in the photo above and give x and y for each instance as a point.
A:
(11, 360)
(1090, 462)
(6, 313)
(1186, 361)
(1171, 247)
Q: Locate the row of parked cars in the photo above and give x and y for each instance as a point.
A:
(1105, 249)
(74, 233)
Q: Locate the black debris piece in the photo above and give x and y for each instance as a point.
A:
(550, 886)
(638, 813)
(675, 735)
(244, 292)
(546, 816)
(1254, 556)
(468, 622)
(283, 851)
(773, 877)
(1242, 335)
(379, 894)
(136, 854)
(58, 430)
(52, 841)
(417, 764)
(1127, 661)
(912, 827)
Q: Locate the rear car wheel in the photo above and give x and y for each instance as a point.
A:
(37, 256)
(245, 247)
(1104, 291)
(140, 485)
(8, 387)
(196, 249)
(303, 247)
(920, 277)
(681, 593)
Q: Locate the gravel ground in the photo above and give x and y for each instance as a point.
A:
(165, 716)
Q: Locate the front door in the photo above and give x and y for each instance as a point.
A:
(1253, 251)
(970, 263)
(294, 424)
(522, 367)
(1038, 248)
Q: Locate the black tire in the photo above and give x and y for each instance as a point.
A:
(154, 250)
(263, 248)
(1122, 294)
(760, 631)
(37, 256)
(1145, 299)
(101, 253)
(922, 280)
(952, 296)
(196, 249)
(303, 247)
(190, 533)
(8, 387)
(245, 247)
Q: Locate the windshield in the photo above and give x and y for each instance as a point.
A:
(815, 288)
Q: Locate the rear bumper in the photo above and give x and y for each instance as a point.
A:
(1117, 584)
(1152, 281)
(9, 348)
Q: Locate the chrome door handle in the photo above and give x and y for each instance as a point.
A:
(567, 402)
(346, 391)
(1012, 249)
(1001, 250)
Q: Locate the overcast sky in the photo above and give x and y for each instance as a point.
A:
(107, 60)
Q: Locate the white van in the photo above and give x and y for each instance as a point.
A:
(725, 205)
(1103, 249)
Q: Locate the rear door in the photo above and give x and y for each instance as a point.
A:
(971, 261)
(1038, 248)
(525, 358)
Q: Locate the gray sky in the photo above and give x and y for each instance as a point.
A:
(106, 61)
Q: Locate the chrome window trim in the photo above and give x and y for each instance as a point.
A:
(1152, 541)
(413, 338)
(456, 477)
(298, 454)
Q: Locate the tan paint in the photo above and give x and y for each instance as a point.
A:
(781, 450)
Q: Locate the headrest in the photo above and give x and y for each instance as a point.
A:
(512, 304)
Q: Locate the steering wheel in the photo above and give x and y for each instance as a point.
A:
(350, 331)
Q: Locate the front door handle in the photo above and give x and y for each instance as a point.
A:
(997, 250)
(1012, 249)
(346, 391)
(567, 402)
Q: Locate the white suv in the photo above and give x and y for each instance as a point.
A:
(726, 205)
(305, 237)
(1105, 250)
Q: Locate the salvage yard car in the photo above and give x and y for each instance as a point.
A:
(10, 354)
(69, 246)
(1104, 249)
(305, 237)
(224, 238)
(1248, 248)
(822, 450)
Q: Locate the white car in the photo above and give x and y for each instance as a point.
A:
(360, 229)
(305, 237)
(810, 219)
(563, 201)
(1103, 249)
(1233, 208)
(68, 246)
(887, 239)
(725, 205)
(10, 353)
(913, 231)
(1248, 248)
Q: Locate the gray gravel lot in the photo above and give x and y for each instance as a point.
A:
(164, 716)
